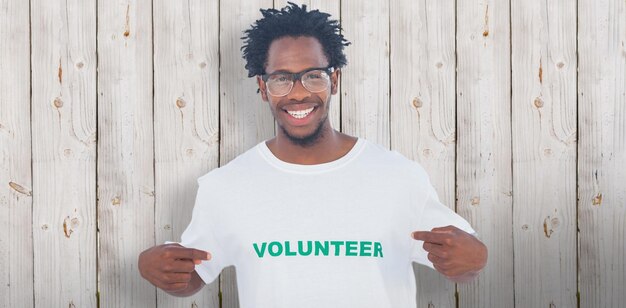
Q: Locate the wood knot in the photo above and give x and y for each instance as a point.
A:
(439, 65)
(597, 200)
(116, 201)
(57, 102)
(475, 201)
(417, 103)
(549, 224)
(538, 102)
(80, 65)
(20, 189)
(525, 227)
(180, 103)
(560, 65)
(67, 229)
(167, 227)
(202, 64)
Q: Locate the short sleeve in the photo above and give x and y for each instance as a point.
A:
(434, 215)
(199, 235)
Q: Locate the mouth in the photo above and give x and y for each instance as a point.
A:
(300, 117)
(300, 114)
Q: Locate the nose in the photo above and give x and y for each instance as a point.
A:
(298, 92)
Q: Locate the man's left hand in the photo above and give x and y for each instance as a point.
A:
(455, 253)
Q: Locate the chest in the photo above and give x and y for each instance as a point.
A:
(306, 222)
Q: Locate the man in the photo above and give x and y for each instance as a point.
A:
(313, 217)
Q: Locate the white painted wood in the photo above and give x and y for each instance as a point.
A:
(544, 152)
(484, 195)
(125, 151)
(186, 129)
(422, 116)
(63, 58)
(16, 243)
(602, 152)
(365, 81)
(245, 119)
(402, 54)
(331, 7)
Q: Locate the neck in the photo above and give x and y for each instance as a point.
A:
(330, 146)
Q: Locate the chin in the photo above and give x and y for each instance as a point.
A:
(307, 139)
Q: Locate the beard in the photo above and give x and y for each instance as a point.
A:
(308, 140)
(317, 134)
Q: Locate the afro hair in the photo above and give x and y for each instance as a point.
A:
(293, 21)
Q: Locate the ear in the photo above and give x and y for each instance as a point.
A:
(334, 81)
(262, 88)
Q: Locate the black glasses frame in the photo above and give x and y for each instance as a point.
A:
(297, 76)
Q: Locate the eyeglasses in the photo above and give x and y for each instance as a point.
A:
(315, 80)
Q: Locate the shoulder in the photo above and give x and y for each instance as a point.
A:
(378, 156)
(239, 167)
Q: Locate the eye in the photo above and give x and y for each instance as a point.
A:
(279, 78)
(315, 75)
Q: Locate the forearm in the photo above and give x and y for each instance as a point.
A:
(194, 286)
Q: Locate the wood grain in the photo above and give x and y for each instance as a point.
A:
(365, 80)
(63, 57)
(422, 116)
(484, 187)
(16, 201)
(186, 120)
(125, 152)
(544, 152)
(602, 153)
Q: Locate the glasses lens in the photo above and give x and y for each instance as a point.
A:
(316, 81)
(279, 84)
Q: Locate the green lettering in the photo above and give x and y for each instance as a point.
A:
(275, 252)
(259, 252)
(366, 249)
(288, 251)
(319, 248)
(351, 247)
(378, 249)
(301, 250)
(337, 245)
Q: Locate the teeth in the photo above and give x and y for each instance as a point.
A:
(299, 114)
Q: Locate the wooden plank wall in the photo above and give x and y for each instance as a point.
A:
(109, 111)
(64, 127)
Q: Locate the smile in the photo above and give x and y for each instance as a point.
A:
(299, 114)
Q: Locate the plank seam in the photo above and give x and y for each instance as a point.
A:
(511, 144)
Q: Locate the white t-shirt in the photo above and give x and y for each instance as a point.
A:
(336, 234)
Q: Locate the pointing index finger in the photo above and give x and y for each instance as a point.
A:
(191, 254)
(430, 237)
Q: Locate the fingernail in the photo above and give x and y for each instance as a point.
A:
(208, 256)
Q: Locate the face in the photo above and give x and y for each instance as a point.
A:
(294, 55)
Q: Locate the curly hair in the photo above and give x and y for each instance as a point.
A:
(293, 21)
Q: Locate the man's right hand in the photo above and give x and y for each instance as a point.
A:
(171, 267)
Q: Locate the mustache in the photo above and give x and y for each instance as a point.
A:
(307, 100)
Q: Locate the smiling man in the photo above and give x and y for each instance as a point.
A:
(313, 217)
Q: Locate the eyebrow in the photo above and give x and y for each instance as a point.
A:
(290, 72)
